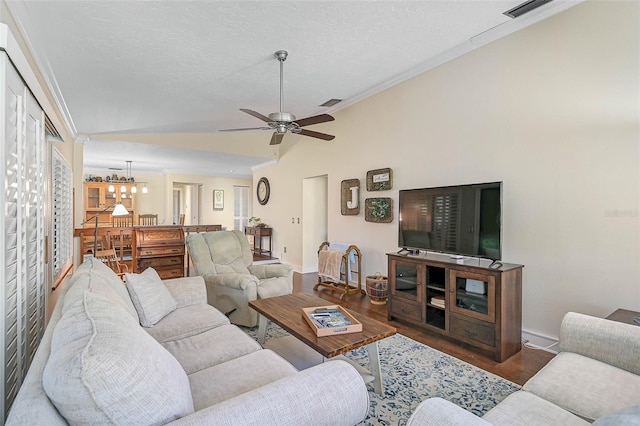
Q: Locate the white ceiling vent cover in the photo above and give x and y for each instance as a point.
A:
(525, 7)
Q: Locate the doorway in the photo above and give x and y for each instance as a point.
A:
(315, 223)
(187, 200)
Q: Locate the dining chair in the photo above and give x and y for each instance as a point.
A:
(148, 219)
(110, 258)
(122, 221)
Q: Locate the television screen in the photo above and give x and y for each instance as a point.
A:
(463, 219)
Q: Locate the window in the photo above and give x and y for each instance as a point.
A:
(240, 207)
(62, 216)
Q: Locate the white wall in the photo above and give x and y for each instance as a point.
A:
(552, 111)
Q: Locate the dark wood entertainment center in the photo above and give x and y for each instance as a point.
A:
(463, 299)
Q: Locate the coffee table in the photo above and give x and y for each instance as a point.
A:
(286, 311)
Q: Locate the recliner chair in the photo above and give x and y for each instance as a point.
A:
(225, 261)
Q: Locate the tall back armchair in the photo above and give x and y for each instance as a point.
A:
(225, 261)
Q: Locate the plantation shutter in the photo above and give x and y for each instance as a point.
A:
(240, 207)
(23, 225)
(62, 220)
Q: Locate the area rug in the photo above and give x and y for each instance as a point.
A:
(413, 372)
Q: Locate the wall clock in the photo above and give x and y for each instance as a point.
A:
(263, 190)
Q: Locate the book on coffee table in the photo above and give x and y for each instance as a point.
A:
(331, 320)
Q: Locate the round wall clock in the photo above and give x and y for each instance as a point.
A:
(263, 190)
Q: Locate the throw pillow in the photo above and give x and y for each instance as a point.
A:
(150, 297)
(105, 369)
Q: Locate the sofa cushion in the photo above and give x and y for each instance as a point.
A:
(187, 321)
(524, 409)
(150, 296)
(102, 279)
(439, 411)
(584, 386)
(104, 368)
(224, 381)
(211, 348)
(629, 416)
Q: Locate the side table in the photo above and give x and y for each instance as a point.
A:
(624, 315)
(258, 233)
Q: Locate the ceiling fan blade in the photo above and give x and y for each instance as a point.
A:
(316, 119)
(245, 128)
(276, 139)
(256, 115)
(313, 134)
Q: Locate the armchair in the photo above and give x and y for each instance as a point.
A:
(225, 261)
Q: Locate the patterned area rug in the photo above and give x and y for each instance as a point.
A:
(413, 372)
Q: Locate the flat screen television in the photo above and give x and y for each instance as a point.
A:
(461, 220)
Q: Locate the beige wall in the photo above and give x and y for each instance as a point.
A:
(222, 217)
(552, 111)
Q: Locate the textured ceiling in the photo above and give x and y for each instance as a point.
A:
(170, 67)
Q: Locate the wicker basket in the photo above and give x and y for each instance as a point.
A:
(377, 288)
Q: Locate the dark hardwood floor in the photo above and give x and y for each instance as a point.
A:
(518, 369)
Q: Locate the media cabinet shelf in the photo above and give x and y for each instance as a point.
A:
(482, 308)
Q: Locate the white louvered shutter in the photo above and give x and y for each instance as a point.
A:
(23, 226)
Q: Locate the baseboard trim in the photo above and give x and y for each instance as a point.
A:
(540, 341)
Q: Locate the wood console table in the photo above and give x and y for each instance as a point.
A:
(258, 233)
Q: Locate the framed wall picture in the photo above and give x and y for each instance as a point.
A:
(218, 199)
(350, 197)
(379, 210)
(379, 179)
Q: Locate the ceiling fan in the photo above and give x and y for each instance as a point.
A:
(283, 122)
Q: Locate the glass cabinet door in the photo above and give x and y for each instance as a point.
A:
(472, 295)
(408, 280)
(93, 198)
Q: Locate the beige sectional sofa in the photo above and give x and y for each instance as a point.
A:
(96, 364)
(594, 378)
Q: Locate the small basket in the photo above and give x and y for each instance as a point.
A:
(377, 288)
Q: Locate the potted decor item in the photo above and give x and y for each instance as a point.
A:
(254, 221)
(377, 288)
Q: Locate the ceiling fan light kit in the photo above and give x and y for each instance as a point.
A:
(282, 122)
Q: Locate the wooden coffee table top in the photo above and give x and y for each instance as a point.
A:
(286, 311)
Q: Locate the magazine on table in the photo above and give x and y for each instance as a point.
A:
(331, 320)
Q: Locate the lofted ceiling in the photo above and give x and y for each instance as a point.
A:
(124, 70)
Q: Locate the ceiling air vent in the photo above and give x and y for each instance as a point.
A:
(331, 102)
(525, 7)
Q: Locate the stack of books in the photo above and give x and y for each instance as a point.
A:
(438, 301)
